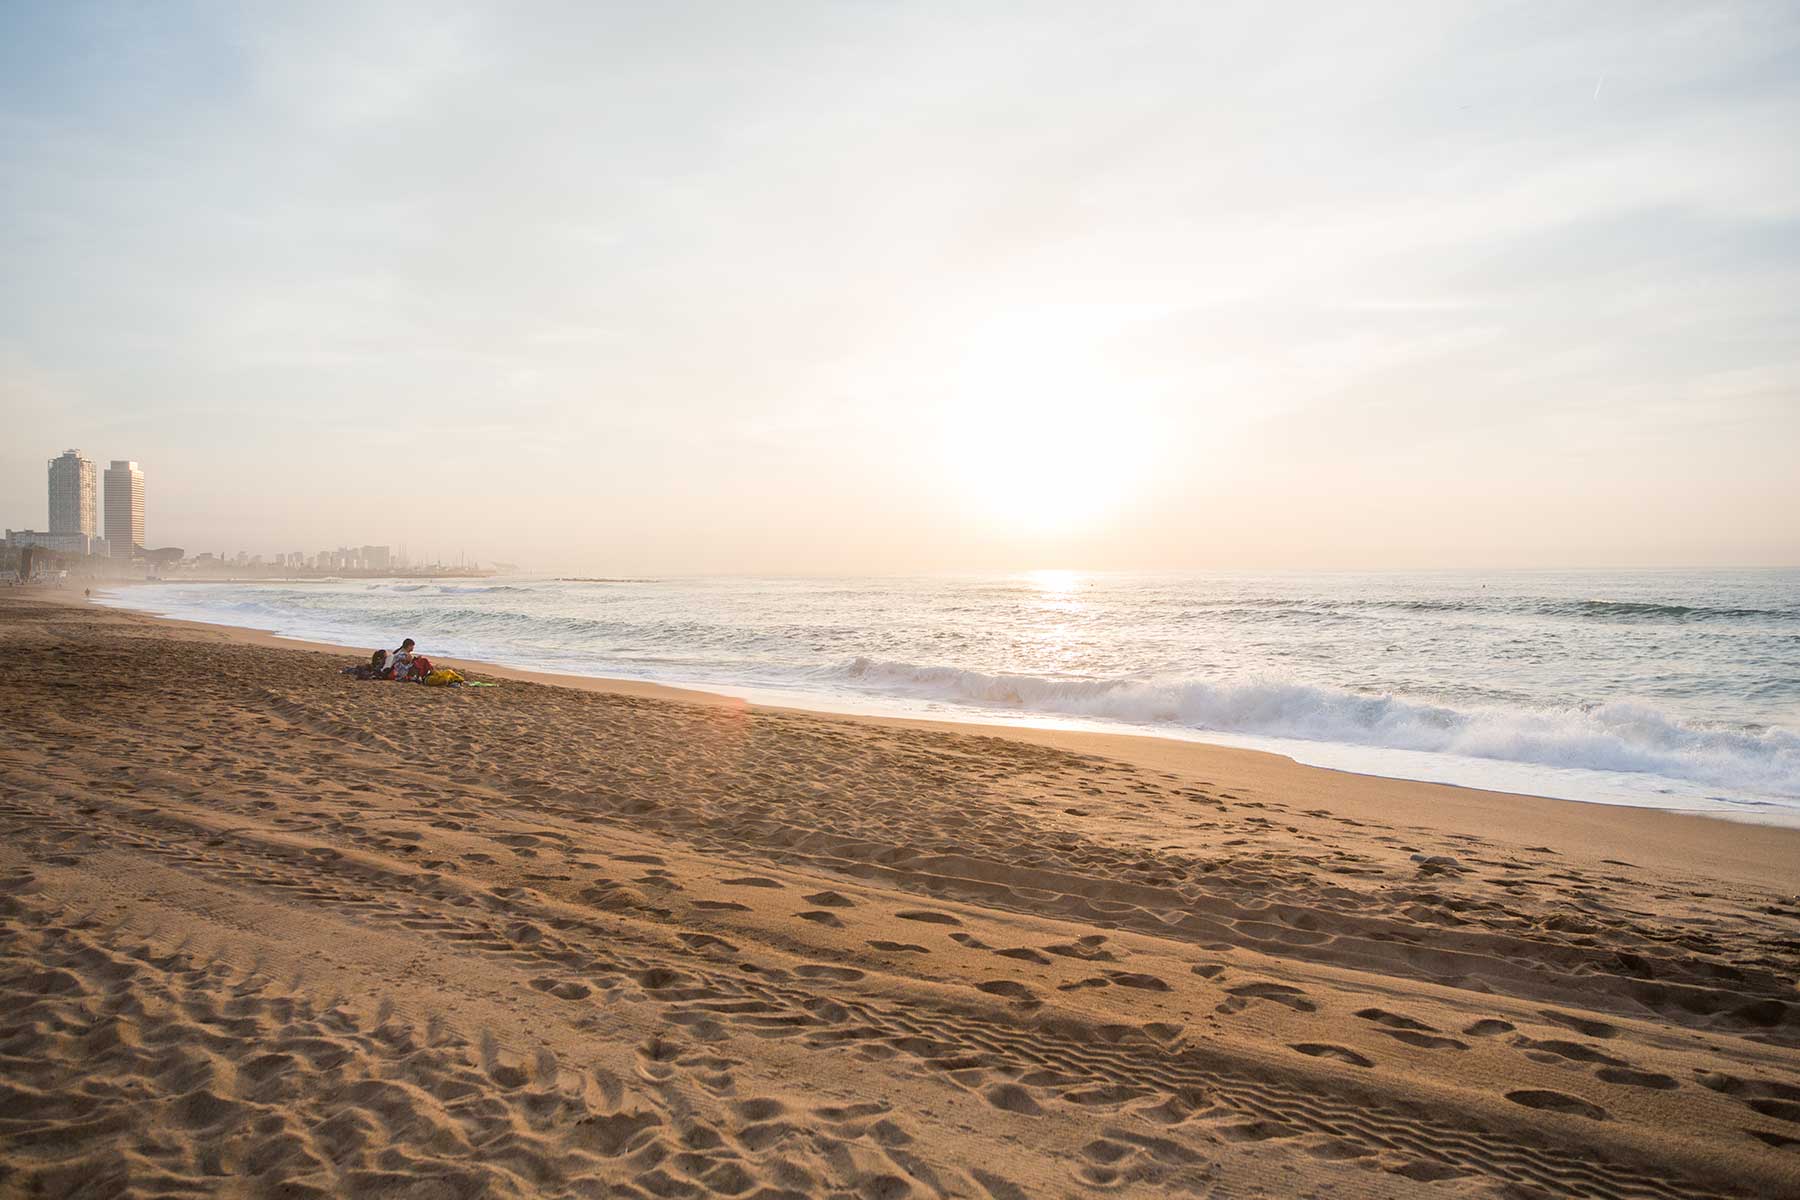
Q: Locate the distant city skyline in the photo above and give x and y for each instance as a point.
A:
(74, 504)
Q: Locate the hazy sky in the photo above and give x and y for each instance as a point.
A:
(891, 287)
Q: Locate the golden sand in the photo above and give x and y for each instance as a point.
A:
(266, 930)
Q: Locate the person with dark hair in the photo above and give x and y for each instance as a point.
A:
(375, 668)
(401, 660)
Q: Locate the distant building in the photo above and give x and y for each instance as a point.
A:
(62, 543)
(376, 558)
(74, 495)
(125, 508)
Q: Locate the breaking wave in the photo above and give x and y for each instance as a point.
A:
(1638, 611)
(1619, 736)
(446, 589)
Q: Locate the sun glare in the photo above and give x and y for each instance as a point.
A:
(1055, 581)
(1040, 437)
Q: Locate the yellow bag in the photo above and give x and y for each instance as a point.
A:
(442, 677)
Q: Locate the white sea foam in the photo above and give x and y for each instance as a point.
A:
(1617, 736)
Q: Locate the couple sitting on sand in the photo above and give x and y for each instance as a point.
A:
(403, 666)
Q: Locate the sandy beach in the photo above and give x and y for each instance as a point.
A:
(269, 931)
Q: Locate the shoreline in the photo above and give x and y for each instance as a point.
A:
(1643, 830)
(1588, 778)
(1607, 773)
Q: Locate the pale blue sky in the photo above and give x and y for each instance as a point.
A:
(899, 287)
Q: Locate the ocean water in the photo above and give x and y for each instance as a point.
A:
(1662, 689)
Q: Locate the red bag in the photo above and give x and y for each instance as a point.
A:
(421, 666)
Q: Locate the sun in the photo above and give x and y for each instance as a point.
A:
(1040, 437)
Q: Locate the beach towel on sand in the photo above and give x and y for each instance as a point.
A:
(442, 677)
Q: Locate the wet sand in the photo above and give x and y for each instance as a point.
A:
(266, 930)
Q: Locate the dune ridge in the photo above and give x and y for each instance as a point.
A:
(266, 930)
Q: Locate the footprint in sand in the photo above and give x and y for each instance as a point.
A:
(1009, 988)
(612, 1134)
(755, 881)
(1755, 1089)
(899, 947)
(660, 979)
(657, 1058)
(704, 941)
(1763, 1096)
(759, 1136)
(1010, 1097)
(1105, 1096)
(609, 895)
(722, 906)
(1176, 1108)
(758, 1109)
(1489, 1027)
(1425, 1041)
(1781, 1110)
(1555, 1048)
(1594, 1029)
(1254, 1131)
(1542, 1098)
(928, 916)
(1395, 1020)
(651, 859)
(822, 971)
(829, 900)
(1024, 954)
(1087, 948)
(1326, 1050)
(563, 989)
(1279, 993)
(1132, 979)
(819, 917)
(1333, 1149)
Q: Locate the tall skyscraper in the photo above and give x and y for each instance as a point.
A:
(124, 508)
(74, 495)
